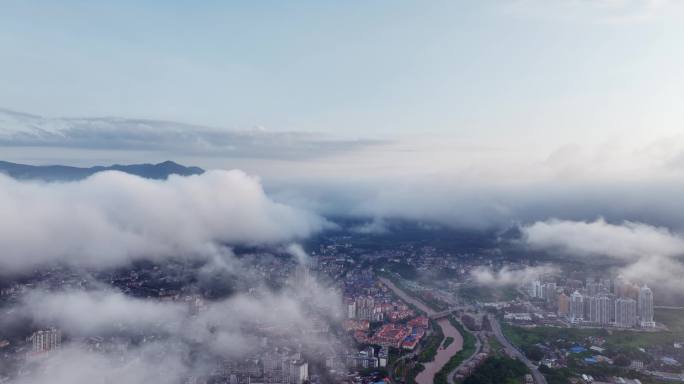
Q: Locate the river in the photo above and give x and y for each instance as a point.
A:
(443, 355)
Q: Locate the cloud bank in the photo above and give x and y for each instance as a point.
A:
(648, 253)
(110, 133)
(506, 276)
(138, 365)
(629, 240)
(112, 218)
(227, 329)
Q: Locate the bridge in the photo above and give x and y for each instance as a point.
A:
(442, 314)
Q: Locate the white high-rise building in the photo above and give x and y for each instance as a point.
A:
(46, 340)
(563, 305)
(606, 285)
(625, 312)
(576, 307)
(645, 307)
(593, 288)
(364, 307)
(299, 371)
(549, 292)
(535, 289)
(599, 309)
(351, 309)
(383, 357)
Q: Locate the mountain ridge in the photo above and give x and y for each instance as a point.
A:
(159, 171)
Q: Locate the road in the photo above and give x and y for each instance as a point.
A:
(443, 355)
(478, 348)
(512, 351)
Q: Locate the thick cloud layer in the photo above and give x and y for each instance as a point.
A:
(147, 364)
(90, 313)
(25, 130)
(649, 253)
(628, 240)
(217, 330)
(112, 218)
(80, 313)
(462, 203)
(494, 184)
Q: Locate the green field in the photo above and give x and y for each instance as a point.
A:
(673, 319)
(472, 293)
(617, 343)
(494, 344)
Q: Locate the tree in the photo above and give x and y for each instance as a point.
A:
(533, 352)
(621, 360)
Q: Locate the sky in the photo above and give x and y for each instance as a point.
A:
(477, 114)
(556, 71)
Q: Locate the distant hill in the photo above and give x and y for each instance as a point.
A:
(66, 173)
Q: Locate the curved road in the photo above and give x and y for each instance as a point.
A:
(478, 349)
(512, 351)
(443, 354)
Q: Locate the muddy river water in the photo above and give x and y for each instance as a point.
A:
(443, 355)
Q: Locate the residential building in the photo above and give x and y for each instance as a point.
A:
(645, 307)
(563, 304)
(46, 340)
(625, 312)
(576, 307)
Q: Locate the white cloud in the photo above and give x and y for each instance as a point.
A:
(375, 226)
(226, 329)
(108, 133)
(90, 313)
(648, 253)
(506, 276)
(76, 365)
(112, 218)
(489, 187)
(105, 311)
(629, 240)
(298, 252)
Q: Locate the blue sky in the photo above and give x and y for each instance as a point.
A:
(562, 71)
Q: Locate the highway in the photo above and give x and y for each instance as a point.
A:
(513, 352)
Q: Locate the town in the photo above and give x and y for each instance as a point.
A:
(393, 325)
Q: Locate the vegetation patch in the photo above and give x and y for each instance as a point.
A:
(498, 370)
(431, 344)
(474, 292)
(462, 355)
(447, 342)
(525, 338)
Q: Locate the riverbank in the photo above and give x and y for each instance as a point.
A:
(427, 375)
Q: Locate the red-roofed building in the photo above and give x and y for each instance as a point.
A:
(420, 321)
